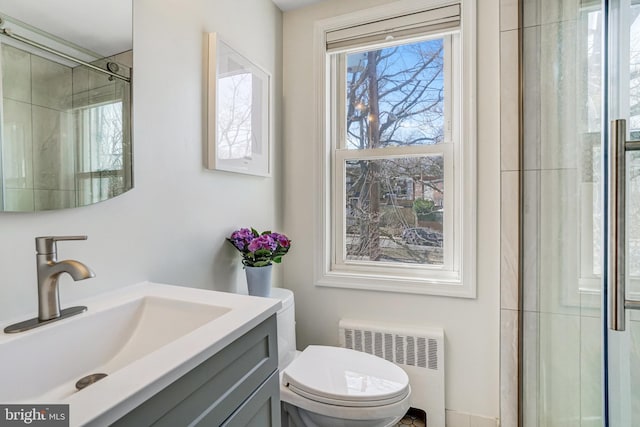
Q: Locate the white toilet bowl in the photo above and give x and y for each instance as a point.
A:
(332, 386)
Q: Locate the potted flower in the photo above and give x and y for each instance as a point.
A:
(259, 252)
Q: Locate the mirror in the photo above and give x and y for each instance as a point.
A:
(65, 115)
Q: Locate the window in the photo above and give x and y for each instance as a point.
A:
(103, 152)
(399, 163)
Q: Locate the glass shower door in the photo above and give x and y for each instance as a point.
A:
(581, 225)
(562, 79)
(623, 214)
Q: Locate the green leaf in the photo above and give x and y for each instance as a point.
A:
(263, 253)
(255, 232)
(261, 264)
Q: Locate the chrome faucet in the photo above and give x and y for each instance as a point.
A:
(49, 270)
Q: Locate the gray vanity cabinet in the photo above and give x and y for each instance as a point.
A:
(236, 387)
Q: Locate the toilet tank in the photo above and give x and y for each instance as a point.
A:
(286, 326)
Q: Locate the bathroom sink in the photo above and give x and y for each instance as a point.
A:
(142, 337)
(48, 364)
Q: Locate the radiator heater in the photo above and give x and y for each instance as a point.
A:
(417, 350)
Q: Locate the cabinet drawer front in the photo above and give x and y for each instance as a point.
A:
(215, 388)
(262, 409)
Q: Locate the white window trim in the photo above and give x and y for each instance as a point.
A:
(464, 284)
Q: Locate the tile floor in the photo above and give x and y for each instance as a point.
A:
(414, 417)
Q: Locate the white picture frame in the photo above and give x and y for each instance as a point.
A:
(238, 112)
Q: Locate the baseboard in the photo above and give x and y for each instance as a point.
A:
(460, 419)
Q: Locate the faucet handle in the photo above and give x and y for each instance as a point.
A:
(46, 245)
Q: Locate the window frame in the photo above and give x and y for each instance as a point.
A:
(459, 278)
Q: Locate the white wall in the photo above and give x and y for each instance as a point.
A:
(471, 326)
(171, 227)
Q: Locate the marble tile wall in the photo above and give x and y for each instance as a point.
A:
(16, 129)
(17, 144)
(509, 210)
(53, 149)
(561, 356)
(16, 74)
(37, 131)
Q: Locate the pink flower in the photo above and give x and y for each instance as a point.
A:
(263, 242)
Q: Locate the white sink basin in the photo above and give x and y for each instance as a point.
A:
(49, 361)
(143, 337)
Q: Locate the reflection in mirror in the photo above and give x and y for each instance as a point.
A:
(66, 105)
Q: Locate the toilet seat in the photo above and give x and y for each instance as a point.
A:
(347, 378)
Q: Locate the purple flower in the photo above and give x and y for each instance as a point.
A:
(281, 239)
(241, 238)
(262, 242)
(243, 233)
(259, 249)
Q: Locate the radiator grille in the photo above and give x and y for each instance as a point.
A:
(411, 351)
(368, 347)
(348, 336)
(398, 348)
(422, 354)
(388, 347)
(433, 354)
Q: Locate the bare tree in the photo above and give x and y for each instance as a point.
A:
(234, 116)
(394, 98)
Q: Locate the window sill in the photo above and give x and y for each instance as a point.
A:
(418, 286)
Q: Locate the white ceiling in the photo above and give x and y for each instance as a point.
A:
(104, 27)
(286, 5)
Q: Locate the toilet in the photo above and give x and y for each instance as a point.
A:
(326, 386)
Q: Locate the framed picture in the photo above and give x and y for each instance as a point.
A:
(238, 112)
